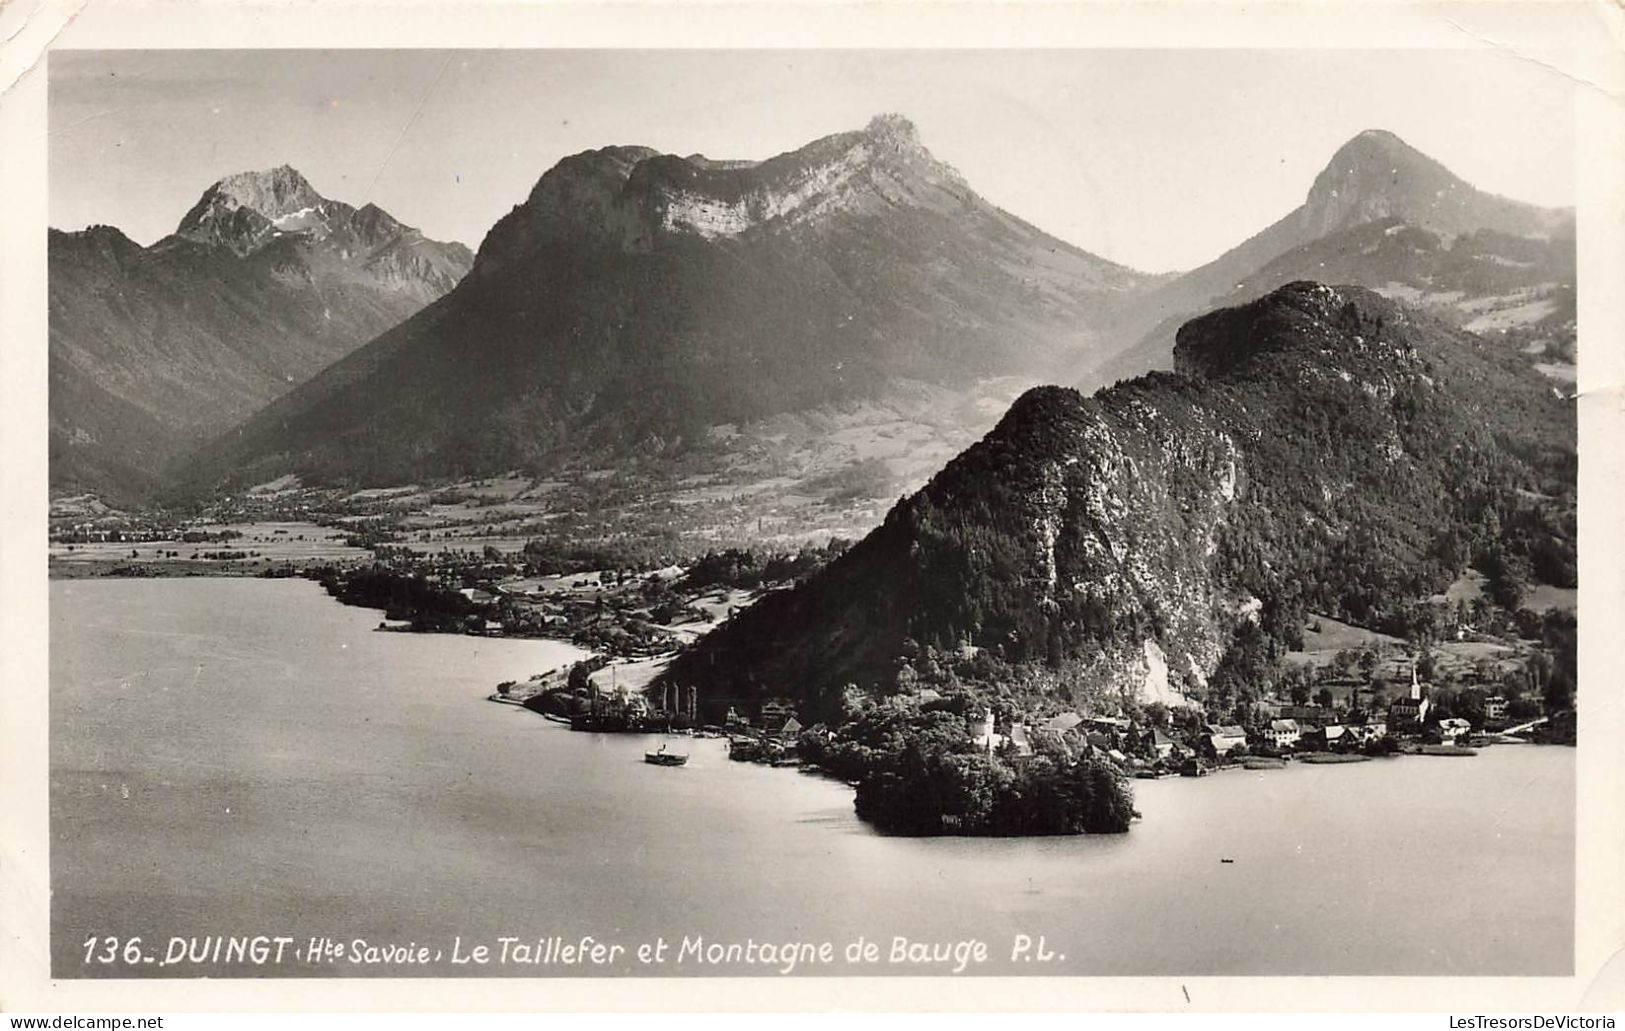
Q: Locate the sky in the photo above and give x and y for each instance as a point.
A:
(1161, 160)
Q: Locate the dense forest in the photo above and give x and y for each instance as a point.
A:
(918, 772)
(1319, 450)
(403, 596)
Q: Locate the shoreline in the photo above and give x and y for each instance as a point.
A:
(172, 569)
(648, 667)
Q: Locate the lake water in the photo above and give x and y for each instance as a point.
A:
(235, 757)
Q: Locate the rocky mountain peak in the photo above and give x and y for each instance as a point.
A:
(633, 198)
(894, 130)
(1378, 175)
(882, 165)
(245, 209)
(273, 193)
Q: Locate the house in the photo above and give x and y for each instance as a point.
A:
(1018, 738)
(1283, 733)
(1339, 737)
(1064, 722)
(776, 712)
(1161, 744)
(1454, 731)
(1224, 738)
(1104, 732)
(1315, 714)
(1495, 708)
(1375, 730)
(791, 728)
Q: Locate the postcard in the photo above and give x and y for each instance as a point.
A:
(1071, 507)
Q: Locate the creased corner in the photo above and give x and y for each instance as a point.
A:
(23, 45)
(1525, 55)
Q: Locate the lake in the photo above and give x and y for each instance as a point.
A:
(235, 758)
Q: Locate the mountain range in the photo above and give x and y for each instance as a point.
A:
(842, 317)
(637, 300)
(1319, 450)
(154, 350)
(1343, 450)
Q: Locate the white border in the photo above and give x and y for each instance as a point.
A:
(1583, 40)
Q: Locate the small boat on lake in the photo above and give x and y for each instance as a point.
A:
(661, 757)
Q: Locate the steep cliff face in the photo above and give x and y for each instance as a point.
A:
(1311, 451)
(858, 173)
(635, 300)
(636, 199)
(1080, 535)
(244, 210)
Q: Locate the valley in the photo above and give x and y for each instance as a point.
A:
(774, 435)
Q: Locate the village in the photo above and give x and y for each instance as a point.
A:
(1145, 742)
(1472, 680)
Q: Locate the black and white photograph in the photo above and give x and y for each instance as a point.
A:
(627, 513)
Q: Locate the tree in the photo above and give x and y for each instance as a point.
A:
(1324, 697)
(1470, 707)
(1293, 678)
(1520, 709)
(1384, 745)
(1344, 660)
(1368, 662)
(1426, 666)
(1452, 550)
(1300, 693)
(1508, 577)
(580, 677)
(1557, 693)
